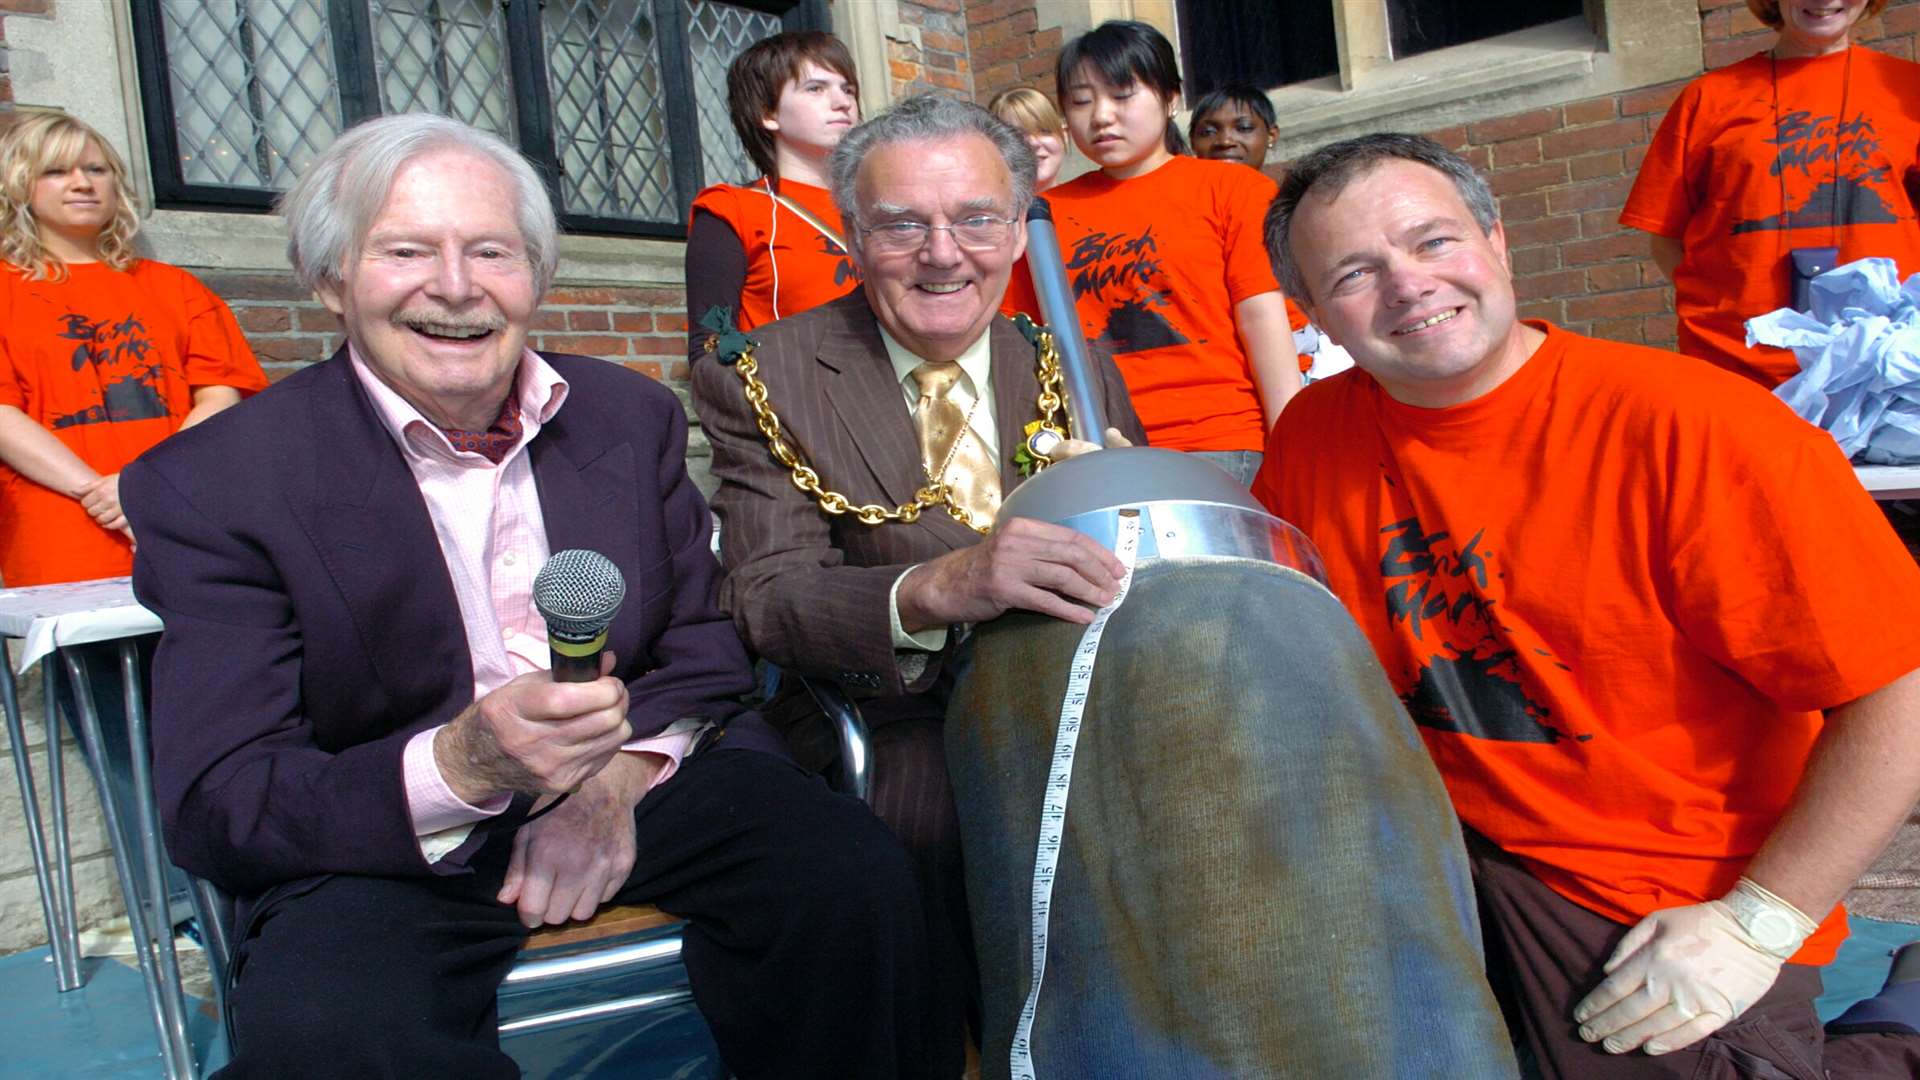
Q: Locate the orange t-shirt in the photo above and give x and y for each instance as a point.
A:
(1156, 264)
(107, 361)
(1740, 190)
(1609, 592)
(811, 268)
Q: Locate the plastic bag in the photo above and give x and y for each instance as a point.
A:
(1859, 353)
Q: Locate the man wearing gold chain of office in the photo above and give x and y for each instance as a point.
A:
(854, 543)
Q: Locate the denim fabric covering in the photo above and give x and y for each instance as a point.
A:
(1261, 874)
(1242, 465)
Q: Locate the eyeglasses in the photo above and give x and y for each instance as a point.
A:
(980, 232)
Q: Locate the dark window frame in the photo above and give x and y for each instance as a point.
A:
(1241, 41)
(1418, 27)
(351, 30)
(1236, 41)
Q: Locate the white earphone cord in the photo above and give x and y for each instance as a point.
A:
(773, 233)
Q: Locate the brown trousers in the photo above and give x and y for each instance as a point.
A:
(1544, 953)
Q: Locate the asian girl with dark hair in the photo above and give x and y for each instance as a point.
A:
(1165, 256)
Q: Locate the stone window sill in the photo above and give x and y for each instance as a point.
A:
(1551, 64)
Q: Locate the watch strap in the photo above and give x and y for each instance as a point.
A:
(1771, 924)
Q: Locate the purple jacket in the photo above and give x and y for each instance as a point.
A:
(311, 625)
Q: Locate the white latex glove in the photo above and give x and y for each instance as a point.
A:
(1683, 973)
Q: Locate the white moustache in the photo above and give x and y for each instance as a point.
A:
(451, 326)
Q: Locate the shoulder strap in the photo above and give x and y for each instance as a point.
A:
(807, 216)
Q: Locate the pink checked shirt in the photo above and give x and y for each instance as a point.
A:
(494, 540)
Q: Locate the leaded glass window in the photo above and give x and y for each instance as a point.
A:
(621, 104)
(716, 33)
(254, 96)
(444, 56)
(604, 73)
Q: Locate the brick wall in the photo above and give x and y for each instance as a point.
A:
(1008, 47)
(644, 329)
(1563, 173)
(934, 56)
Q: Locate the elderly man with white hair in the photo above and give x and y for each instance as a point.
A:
(354, 730)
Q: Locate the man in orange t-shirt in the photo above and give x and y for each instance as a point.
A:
(1636, 606)
(1750, 164)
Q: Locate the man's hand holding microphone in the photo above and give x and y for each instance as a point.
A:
(534, 735)
(547, 732)
(554, 733)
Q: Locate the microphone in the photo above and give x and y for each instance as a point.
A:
(1049, 272)
(578, 592)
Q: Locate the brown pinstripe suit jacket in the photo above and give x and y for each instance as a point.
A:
(808, 590)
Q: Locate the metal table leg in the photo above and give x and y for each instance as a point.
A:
(125, 850)
(153, 854)
(51, 679)
(63, 940)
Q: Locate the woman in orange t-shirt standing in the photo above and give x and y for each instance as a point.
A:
(1165, 256)
(1811, 145)
(102, 353)
(775, 247)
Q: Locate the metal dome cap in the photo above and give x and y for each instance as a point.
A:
(1194, 508)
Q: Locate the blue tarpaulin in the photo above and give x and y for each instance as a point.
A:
(1859, 352)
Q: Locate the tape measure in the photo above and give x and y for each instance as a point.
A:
(1053, 808)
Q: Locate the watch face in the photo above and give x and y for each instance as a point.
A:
(1772, 929)
(1043, 442)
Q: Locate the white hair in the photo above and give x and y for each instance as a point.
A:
(928, 118)
(331, 208)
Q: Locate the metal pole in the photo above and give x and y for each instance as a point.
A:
(122, 839)
(60, 938)
(66, 913)
(159, 909)
(210, 909)
(1085, 406)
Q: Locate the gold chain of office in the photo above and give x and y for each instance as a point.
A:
(935, 492)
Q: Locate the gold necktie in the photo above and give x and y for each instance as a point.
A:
(952, 451)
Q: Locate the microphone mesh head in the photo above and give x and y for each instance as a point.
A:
(578, 592)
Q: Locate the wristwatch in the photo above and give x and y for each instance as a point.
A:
(1772, 924)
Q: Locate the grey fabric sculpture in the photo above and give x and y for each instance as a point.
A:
(1261, 874)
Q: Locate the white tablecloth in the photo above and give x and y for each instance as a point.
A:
(46, 617)
(1890, 481)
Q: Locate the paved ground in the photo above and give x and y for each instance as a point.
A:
(102, 1031)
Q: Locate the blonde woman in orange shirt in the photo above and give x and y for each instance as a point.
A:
(102, 353)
